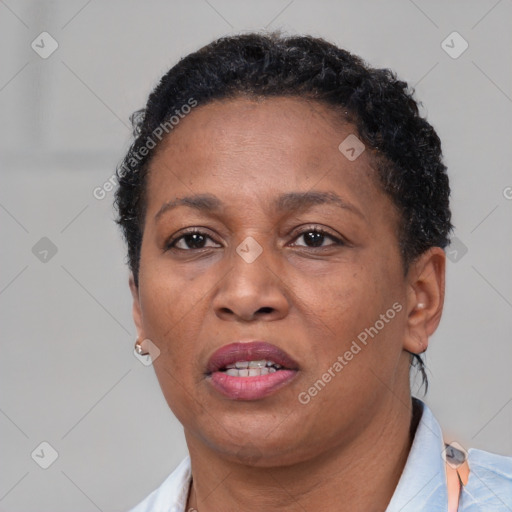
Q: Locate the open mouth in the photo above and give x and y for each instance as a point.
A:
(251, 368)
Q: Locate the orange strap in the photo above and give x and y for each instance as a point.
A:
(457, 475)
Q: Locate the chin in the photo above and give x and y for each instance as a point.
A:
(257, 448)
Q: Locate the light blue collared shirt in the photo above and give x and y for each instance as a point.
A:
(421, 488)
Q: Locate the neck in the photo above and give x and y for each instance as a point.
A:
(360, 476)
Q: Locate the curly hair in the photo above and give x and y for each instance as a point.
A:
(406, 149)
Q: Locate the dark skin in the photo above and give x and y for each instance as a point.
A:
(344, 450)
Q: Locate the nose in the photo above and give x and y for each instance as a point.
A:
(251, 290)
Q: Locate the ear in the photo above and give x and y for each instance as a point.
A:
(425, 298)
(136, 310)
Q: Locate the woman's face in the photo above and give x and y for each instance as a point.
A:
(261, 271)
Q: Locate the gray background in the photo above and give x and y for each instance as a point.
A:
(68, 374)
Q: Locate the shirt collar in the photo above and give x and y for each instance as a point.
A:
(422, 485)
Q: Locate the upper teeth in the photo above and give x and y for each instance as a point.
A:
(262, 363)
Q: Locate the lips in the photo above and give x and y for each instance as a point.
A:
(247, 387)
(249, 351)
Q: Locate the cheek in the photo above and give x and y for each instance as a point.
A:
(169, 310)
(341, 296)
(172, 316)
(172, 379)
(331, 309)
(345, 306)
(167, 298)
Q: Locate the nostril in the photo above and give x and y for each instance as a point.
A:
(265, 309)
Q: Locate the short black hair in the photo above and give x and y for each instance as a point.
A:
(406, 149)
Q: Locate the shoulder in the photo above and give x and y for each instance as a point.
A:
(172, 494)
(500, 465)
(490, 482)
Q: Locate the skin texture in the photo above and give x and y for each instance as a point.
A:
(312, 302)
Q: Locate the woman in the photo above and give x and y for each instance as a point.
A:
(286, 209)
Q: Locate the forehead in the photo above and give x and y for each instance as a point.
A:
(247, 149)
(296, 126)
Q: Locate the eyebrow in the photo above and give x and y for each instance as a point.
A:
(289, 202)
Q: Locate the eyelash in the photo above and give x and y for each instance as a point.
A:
(310, 229)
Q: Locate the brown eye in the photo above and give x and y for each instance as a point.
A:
(191, 240)
(316, 237)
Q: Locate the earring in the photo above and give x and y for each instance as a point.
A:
(139, 349)
(421, 305)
